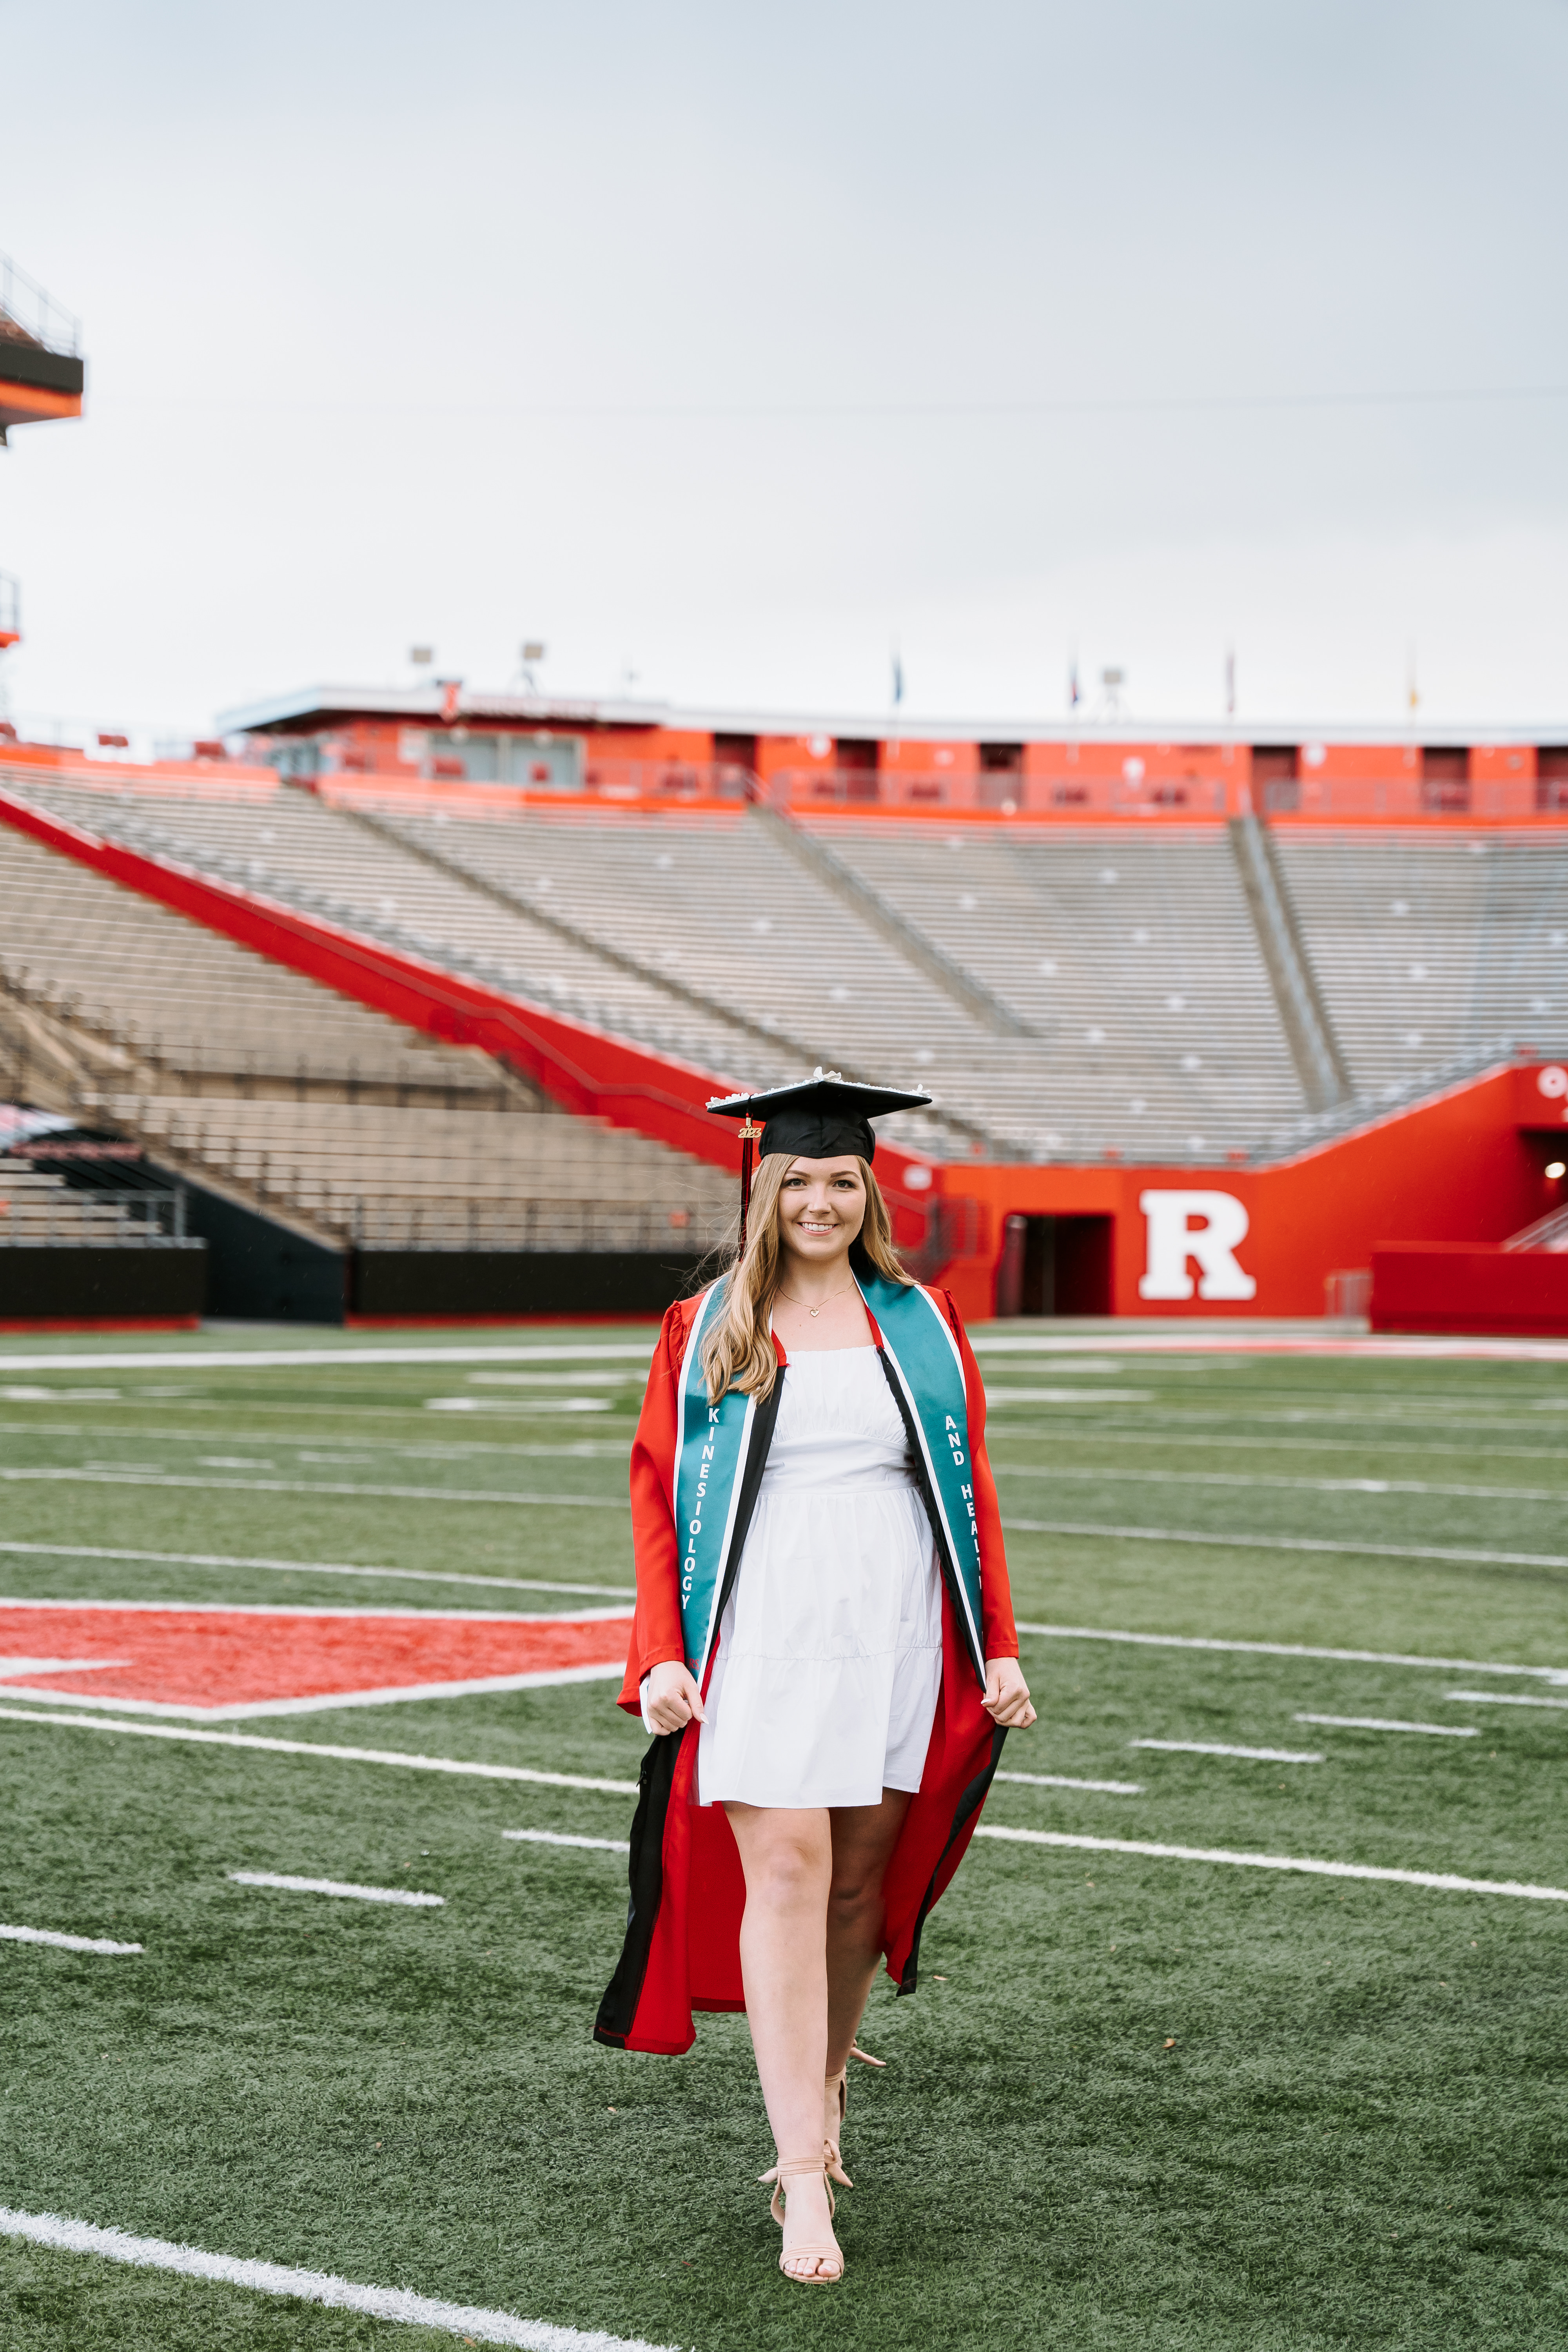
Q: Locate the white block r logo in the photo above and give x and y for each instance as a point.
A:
(1174, 1237)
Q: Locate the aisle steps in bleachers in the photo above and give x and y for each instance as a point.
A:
(1131, 956)
(1429, 946)
(713, 900)
(709, 899)
(264, 1089)
(710, 902)
(297, 850)
(1149, 1021)
(130, 986)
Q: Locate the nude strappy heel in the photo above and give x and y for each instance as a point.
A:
(832, 2154)
(832, 2253)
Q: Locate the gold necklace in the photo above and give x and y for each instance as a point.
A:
(814, 1311)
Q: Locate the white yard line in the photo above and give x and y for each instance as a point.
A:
(1468, 1431)
(327, 1702)
(1217, 1337)
(1234, 1339)
(1282, 1543)
(334, 1452)
(64, 1943)
(311, 1487)
(528, 1407)
(621, 1616)
(1069, 1396)
(1223, 1748)
(57, 1722)
(1388, 1723)
(1186, 1426)
(559, 1837)
(1059, 1781)
(1191, 1441)
(1503, 1698)
(337, 1886)
(311, 1568)
(396, 2303)
(11, 1667)
(1295, 1485)
(1442, 1880)
(1137, 1434)
(1287, 1650)
(308, 1359)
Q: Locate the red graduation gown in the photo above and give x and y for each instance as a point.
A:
(682, 1947)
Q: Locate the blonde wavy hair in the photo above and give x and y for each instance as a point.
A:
(738, 1349)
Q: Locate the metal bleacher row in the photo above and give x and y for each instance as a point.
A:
(1135, 1010)
(236, 1072)
(296, 849)
(713, 906)
(1063, 992)
(1429, 948)
(687, 972)
(387, 1178)
(124, 984)
(37, 1208)
(1133, 959)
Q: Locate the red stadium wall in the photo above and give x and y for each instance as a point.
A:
(1469, 1166)
(1427, 1287)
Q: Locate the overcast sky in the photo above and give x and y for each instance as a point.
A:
(727, 349)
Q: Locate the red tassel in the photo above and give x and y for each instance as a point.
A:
(748, 1134)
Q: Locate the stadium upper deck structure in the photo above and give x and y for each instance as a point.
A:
(1208, 1024)
(616, 749)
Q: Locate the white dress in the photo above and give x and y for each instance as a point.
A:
(825, 1688)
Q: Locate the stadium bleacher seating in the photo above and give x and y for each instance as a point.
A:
(39, 1211)
(1133, 959)
(298, 849)
(69, 1252)
(1428, 947)
(711, 903)
(700, 935)
(1066, 990)
(287, 1095)
(381, 1177)
(124, 985)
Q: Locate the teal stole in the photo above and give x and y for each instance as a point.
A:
(714, 1441)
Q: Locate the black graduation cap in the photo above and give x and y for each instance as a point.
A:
(823, 1117)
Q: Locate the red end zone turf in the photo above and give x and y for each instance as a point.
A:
(218, 1663)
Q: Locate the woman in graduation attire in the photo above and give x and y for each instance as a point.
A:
(824, 1646)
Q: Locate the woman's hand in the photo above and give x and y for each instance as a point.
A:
(1006, 1699)
(673, 1697)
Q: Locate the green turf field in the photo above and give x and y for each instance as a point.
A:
(1139, 2101)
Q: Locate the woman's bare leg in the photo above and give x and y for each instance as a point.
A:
(788, 1856)
(863, 1838)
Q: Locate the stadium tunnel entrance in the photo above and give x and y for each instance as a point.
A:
(1056, 1265)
